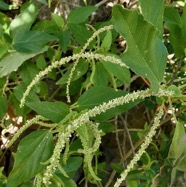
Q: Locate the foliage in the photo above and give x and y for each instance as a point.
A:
(71, 79)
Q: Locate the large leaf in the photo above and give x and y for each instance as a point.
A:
(153, 12)
(34, 149)
(177, 27)
(145, 53)
(54, 111)
(24, 20)
(32, 41)
(80, 14)
(13, 60)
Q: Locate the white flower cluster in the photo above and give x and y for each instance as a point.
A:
(96, 33)
(66, 60)
(54, 160)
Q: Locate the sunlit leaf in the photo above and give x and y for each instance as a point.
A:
(13, 60)
(145, 54)
(24, 20)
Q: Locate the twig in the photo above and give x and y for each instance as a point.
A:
(124, 121)
(101, 3)
(117, 139)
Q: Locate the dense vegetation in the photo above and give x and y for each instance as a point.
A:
(92, 93)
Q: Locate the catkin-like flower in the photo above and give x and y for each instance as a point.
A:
(96, 33)
(54, 160)
(64, 136)
(38, 180)
(66, 60)
(147, 141)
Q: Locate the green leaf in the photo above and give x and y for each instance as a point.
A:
(41, 62)
(73, 164)
(48, 26)
(32, 41)
(64, 39)
(4, 46)
(3, 104)
(28, 71)
(100, 76)
(80, 70)
(153, 12)
(20, 89)
(177, 149)
(3, 5)
(43, 2)
(24, 20)
(58, 19)
(35, 148)
(54, 111)
(107, 41)
(121, 73)
(80, 33)
(106, 127)
(8, 64)
(80, 14)
(177, 27)
(145, 53)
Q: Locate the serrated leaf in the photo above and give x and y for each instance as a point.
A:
(54, 111)
(35, 148)
(25, 19)
(32, 41)
(80, 14)
(153, 12)
(8, 64)
(145, 54)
